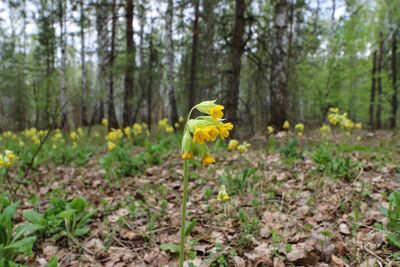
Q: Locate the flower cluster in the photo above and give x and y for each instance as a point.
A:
(165, 126)
(113, 136)
(57, 139)
(270, 130)
(335, 118)
(7, 159)
(299, 128)
(35, 135)
(244, 147)
(286, 125)
(232, 145)
(325, 129)
(204, 129)
(222, 194)
(75, 136)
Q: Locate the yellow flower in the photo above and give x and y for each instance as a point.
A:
(270, 129)
(243, 148)
(21, 144)
(104, 122)
(325, 129)
(286, 125)
(333, 119)
(169, 129)
(299, 127)
(348, 124)
(212, 132)
(200, 136)
(73, 135)
(208, 160)
(127, 131)
(176, 125)
(163, 123)
(187, 156)
(111, 146)
(137, 129)
(222, 194)
(233, 144)
(114, 135)
(216, 112)
(224, 130)
(334, 110)
(36, 140)
(181, 119)
(11, 156)
(3, 161)
(359, 125)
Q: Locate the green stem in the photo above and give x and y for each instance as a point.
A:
(183, 214)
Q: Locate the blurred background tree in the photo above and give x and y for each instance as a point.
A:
(142, 60)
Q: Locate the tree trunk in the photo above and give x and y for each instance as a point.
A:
(393, 118)
(232, 103)
(63, 68)
(193, 68)
(173, 113)
(150, 81)
(380, 66)
(84, 118)
(112, 117)
(373, 91)
(102, 12)
(279, 65)
(128, 81)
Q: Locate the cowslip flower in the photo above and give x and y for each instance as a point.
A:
(232, 145)
(104, 122)
(286, 125)
(325, 129)
(127, 131)
(208, 160)
(243, 148)
(137, 129)
(111, 146)
(73, 135)
(299, 128)
(222, 194)
(270, 130)
(196, 134)
(334, 110)
(114, 135)
(204, 129)
(8, 159)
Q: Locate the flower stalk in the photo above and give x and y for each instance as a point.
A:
(183, 214)
(197, 132)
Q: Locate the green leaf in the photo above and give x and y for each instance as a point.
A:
(3, 235)
(9, 212)
(173, 248)
(67, 214)
(22, 246)
(78, 204)
(26, 229)
(53, 262)
(34, 217)
(82, 231)
(190, 227)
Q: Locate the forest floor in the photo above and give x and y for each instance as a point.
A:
(307, 204)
